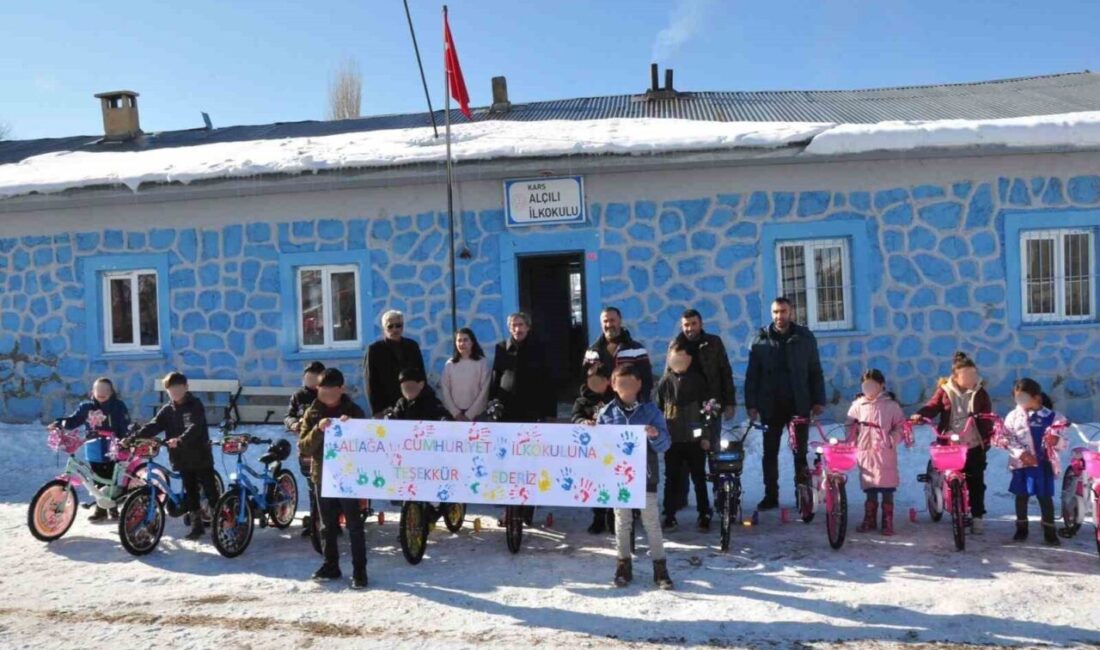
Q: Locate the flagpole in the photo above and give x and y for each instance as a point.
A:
(450, 176)
(423, 80)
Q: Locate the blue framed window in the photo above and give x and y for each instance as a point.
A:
(324, 297)
(127, 306)
(813, 266)
(1050, 260)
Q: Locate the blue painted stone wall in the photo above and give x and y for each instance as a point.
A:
(939, 263)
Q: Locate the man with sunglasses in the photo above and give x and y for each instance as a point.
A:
(385, 360)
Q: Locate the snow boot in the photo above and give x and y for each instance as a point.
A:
(1021, 531)
(197, 529)
(359, 579)
(704, 522)
(870, 514)
(669, 523)
(624, 573)
(99, 514)
(599, 523)
(327, 572)
(113, 512)
(660, 575)
(888, 519)
(768, 503)
(1050, 534)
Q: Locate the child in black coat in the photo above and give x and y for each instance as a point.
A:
(595, 394)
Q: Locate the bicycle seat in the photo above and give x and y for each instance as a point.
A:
(277, 451)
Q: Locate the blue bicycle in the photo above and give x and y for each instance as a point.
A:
(275, 495)
(141, 520)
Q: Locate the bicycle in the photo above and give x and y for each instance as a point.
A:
(52, 510)
(275, 496)
(726, 461)
(833, 459)
(141, 520)
(1081, 485)
(515, 516)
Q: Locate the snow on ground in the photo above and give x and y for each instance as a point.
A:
(60, 171)
(780, 585)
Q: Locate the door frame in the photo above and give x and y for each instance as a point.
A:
(515, 246)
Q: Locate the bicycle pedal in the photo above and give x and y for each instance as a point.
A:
(86, 506)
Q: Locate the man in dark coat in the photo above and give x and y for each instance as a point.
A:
(183, 422)
(615, 347)
(708, 357)
(783, 380)
(385, 360)
(520, 373)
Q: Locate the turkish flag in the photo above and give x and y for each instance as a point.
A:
(454, 71)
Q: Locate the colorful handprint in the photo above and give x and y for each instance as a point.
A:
(584, 491)
(379, 482)
(565, 479)
(544, 481)
(627, 442)
(444, 493)
(479, 467)
(582, 437)
(626, 470)
(624, 494)
(519, 493)
(603, 496)
(502, 448)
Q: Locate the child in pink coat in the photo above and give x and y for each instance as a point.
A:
(878, 424)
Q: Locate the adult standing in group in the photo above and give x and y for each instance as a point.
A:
(520, 374)
(466, 377)
(615, 347)
(385, 360)
(783, 380)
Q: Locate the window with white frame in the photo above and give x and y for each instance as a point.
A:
(1058, 267)
(328, 307)
(130, 311)
(815, 276)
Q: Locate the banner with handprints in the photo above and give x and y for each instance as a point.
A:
(486, 462)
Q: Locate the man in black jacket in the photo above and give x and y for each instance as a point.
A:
(615, 347)
(783, 380)
(183, 422)
(520, 375)
(299, 402)
(708, 357)
(418, 400)
(385, 360)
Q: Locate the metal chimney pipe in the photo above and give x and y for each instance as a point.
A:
(653, 77)
(668, 79)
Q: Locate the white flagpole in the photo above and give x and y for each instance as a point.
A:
(450, 174)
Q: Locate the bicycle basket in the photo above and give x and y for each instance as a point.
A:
(120, 453)
(841, 457)
(234, 444)
(145, 448)
(66, 441)
(948, 458)
(1092, 463)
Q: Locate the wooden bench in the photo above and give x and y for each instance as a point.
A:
(264, 404)
(219, 396)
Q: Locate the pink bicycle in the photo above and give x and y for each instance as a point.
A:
(833, 459)
(1081, 485)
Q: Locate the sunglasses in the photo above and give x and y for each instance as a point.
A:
(395, 326)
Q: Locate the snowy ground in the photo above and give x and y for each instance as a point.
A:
(779, 586)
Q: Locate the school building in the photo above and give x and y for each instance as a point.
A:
(244, 252)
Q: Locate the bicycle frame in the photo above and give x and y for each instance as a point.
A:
(107, 492)
(248, 490)
(821, 471)
(159, 479)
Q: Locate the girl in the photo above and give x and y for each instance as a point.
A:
(466, 378)
(879, 425)
(1027, 434)
(956, 399)
(104, 411)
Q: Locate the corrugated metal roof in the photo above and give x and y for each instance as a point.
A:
(1046, 95)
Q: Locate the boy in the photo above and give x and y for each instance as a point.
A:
(183, 422)
(626, 381)
(418, 400)
(331, 404)
(680, 396)
(595, 394)
(299, 402)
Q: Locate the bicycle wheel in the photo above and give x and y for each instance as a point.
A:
(140, 530)
(284, 504)
(52, 511)
(454, 514)
(958, 513)
(231, 535)
(513, 527)
(413, 533)
(933, 493)
(1071, 509)
(725, 497)
(836, 515)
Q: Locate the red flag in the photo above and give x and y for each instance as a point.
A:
(454, 71)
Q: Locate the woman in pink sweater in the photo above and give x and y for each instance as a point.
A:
(879, 424)
(466, 378)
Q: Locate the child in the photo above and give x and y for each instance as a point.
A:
(680, 396)
(879, 424)
(299, 402)
(958, 398)
(1027, 436)
(103, 412)
(595, 394)
(183, 422)
(332, 403)
(466, 378)
(418, 400)
(626, 381)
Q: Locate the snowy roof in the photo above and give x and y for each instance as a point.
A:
(1052, 111)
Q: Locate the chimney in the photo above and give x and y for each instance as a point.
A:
(657, 92)
(500, 96)
(120, 115)
(653, 87)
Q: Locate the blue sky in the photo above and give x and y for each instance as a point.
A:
(248, 62)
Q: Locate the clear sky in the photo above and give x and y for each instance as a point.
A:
(251, 62)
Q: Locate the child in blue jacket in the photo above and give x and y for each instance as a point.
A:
(103, 412)
(626, 381)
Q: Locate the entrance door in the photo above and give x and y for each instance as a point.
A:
(551, 290)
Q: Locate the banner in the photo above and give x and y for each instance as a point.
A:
(486, 462)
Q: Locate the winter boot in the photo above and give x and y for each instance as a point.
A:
(669, 523)
(768, 503)
(114, 514)
(624, 573)
(1021, 531)
(327, 572)
(99, 514)
(704, 522)
(197, 529)
(359, 579)
(599, 524)
(870, 514)
(660, 575)
(888, 519)
(1050, 534)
